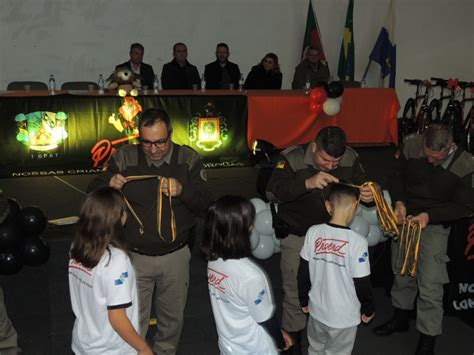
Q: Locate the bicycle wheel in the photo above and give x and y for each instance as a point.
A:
(423, 119)
(435, 110)
(406, 123)
(468, 127)
(453, 118)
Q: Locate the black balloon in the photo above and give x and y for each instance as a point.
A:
(32, 220)
(10, 235)
(14, 209)
(36, 251)
(334, 89)
(11, 261)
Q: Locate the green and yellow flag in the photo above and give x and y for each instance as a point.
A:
(346, 57)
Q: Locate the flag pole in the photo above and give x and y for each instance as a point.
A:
(366, 70)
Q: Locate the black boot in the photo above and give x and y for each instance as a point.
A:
(398, 323)
(296, 348)
(425, 345)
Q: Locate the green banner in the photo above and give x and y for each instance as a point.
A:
(70, 134)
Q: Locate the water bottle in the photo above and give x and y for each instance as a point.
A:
(203, 83)
(101, 84)
(51, 84)
(156, 85)
(307, 86)
(241, 82)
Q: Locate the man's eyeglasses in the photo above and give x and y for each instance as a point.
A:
(160, 143)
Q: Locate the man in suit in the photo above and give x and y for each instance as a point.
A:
(221, 73)
(179, 74)
(144, 71)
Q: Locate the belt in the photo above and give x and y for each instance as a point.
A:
(141, 252)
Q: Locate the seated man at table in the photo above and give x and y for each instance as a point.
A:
(312, 68)
(222, 74)
(144, 71)
(179, 74)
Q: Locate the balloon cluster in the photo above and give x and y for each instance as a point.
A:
(263, 241)
(19, 238)
(329, 98)
(366, 222)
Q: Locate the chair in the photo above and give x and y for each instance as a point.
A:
(351, 84)
(20, 85)
(79, 85)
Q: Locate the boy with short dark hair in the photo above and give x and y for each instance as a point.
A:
(333, 277)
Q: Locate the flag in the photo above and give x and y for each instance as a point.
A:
(312, 36)
(346, 57)
(385, 49)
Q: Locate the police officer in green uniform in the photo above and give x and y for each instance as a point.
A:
(162, 216)
(297, 184)
(434, 186)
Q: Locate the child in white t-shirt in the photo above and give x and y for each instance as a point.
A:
(240, 293)
(102, 282)
(333, 277)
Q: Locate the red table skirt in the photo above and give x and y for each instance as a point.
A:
(284, 118)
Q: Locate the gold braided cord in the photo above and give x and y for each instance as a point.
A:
(409, 237)
(159, 208)
(409, 248)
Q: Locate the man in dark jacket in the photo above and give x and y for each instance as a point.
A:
(179, 74)
(222, 74)
(434, 185)
(165, 185)
(144, 71)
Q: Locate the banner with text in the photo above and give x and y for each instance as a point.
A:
(70, 134)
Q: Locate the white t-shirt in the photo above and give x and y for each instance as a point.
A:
(335, 256)
(111, 283)
(241, 298)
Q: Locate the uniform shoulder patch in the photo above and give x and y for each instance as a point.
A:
(281, 164)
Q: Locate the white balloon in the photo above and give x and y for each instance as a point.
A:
(375, 235)
(387, 197)
(370, 215)
(360, 225)
(254, 239)
(276, 241)
(259, 204)
(265, 248)
(331, 107)
(263, 222)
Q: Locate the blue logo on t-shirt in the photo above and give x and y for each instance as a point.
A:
(259, 297)
(122, 277)
(363, 258)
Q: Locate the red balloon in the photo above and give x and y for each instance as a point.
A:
(318, 95)
(314, 107)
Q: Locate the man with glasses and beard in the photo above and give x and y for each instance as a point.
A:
(165, 186)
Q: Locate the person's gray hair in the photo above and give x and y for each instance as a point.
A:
(438, 137)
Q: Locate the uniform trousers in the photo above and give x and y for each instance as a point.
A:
(8, 335)
(293, 318)
(164, 281)
(431, 275)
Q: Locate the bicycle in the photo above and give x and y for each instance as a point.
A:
(467, 124)
(453, 114)
(416, 117)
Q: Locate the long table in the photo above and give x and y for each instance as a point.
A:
(91, 132)
(284, 118)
